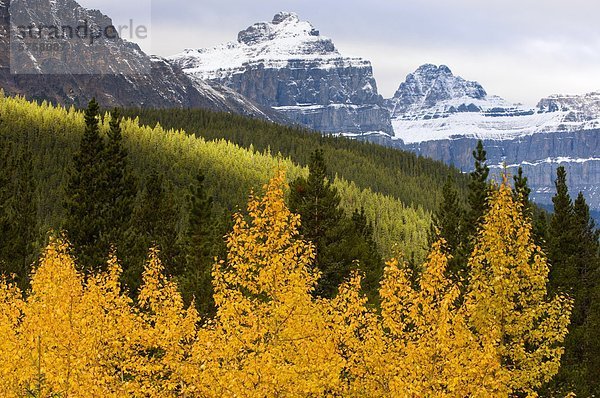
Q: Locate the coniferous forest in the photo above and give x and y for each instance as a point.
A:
(188, 253)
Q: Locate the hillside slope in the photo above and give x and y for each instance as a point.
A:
(414, 180)
(52, 135)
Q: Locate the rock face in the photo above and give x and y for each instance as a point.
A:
(288, 66)
(116, 72)
(438, 115)
(432, 85)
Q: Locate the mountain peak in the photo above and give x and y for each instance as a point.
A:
(287, 38)
(431, 85)
(285, 25)
(431, 68)
(285, 16)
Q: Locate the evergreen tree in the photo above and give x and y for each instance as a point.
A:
(448, 224)
(317, 203)
(581, 360)
(19, 235)
(340, 241)
(574, 252)
(538, 216)
(522, 190)
(203, 243)
(478, 190)
(84, 223)
(364, 249)
(154, 224)
(119, 187)
(562, 244)
(540, 227)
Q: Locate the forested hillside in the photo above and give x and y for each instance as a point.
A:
(80, 335)
(415, 180)
(100, 192)
(49, 137)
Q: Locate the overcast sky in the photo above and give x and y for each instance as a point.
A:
(521, 50)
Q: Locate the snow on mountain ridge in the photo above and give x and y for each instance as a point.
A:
(433, 104)
(429, 86)
(271, 44)
(288, 66)
(584, 107)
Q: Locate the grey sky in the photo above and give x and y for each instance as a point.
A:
(521, 50)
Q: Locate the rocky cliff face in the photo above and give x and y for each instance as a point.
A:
(538, 154)
(116, 72)
(441, 116)
(287, 65)
(430, 86)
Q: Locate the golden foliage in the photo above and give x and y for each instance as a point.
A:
(508, 301)
(269, 337)
(430, 349)
(76, 336)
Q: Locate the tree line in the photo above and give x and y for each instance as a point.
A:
(109, 208)
(568, 236)
(78, 334)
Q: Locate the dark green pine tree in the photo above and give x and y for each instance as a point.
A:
(318, 202)
(522, 191)
(478, 190)
(562, 240)
(19, 235)
(538, 216)
(581, 360)
(154, 224)
(592, 343)
(574, 258)
(6, 173)
(119, 188)
(323, 224)
(203, 242)
(364, 249)
(84, 194)
(448, 224)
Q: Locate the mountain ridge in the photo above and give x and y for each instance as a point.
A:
(116, 72)
(287, 65)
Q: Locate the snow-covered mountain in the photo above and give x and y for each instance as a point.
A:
(287, 65)
(433, 104)
(441, 116)
(115, 71)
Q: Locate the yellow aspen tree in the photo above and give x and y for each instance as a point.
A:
(67, 343)
(112, 348)
(269, 337)
(359, 342)
(430, 350)
(50, 332)
(508, 303)
(165, 338)
(11, 359)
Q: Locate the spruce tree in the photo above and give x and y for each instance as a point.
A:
(448, 224)
(84, 205)
(203, 242)
(318, 203)
(154, 224)
(478, 190)
(563, 274)
(522, 190)
(340, 241)
(574, 254)
(364, 249)
(19, 235)
(119, 187)
(538, 216)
